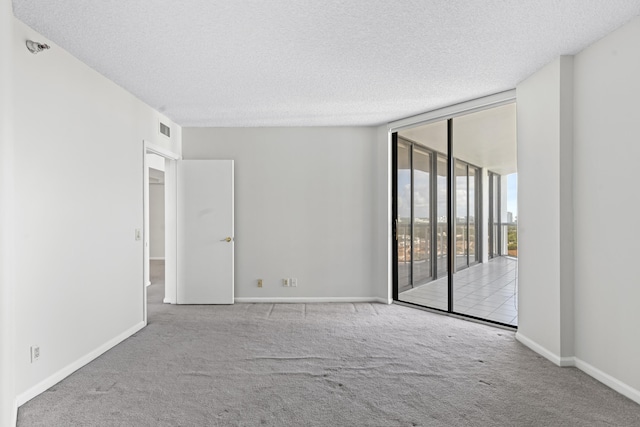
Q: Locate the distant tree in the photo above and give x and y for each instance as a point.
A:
(512, 237)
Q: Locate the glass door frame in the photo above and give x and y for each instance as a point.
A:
(451, 215)
(394, 215)
(450, 164)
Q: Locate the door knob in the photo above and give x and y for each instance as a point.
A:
(228, 239)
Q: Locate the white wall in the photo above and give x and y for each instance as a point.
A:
(78, 176)
(578, 194)
(7, 282)
(382, 258)
(156, 221)
(607, 202)
(306, 207)
(544, 201)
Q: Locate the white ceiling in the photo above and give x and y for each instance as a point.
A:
(486, 138)
(318, 62)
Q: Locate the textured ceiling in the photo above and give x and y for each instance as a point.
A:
(318, 62)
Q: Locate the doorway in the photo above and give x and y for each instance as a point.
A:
(160, 225)
(155, 286)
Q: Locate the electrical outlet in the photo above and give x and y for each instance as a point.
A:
(35, 353)
(294, 282)
(285, 282)
(259, 283)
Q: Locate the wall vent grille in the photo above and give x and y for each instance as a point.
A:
(165, 130)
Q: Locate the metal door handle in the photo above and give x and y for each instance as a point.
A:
(228, 239)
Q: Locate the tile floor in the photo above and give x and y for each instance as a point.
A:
(487, 290)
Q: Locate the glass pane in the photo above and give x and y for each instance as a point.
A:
(461, 215)
(485, 142)
(441, 233)
(429, 239)
(403, 228)
(421, 217)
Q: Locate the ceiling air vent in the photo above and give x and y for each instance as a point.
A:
(165, 130)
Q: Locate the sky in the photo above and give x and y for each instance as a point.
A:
(512, 194)
(422, 205)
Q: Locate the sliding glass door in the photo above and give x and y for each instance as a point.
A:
(451, 220)
(421, 225)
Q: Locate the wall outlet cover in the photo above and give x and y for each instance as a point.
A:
(35, 353)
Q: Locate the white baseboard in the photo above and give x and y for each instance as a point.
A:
(608, 380)
(604, 378)
(566, 362)
(71, 368)
(156, 258)
(306, 300)
(542, 351)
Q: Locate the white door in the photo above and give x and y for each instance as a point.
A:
(205, 232)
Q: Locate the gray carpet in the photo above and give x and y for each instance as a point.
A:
(322, 365)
